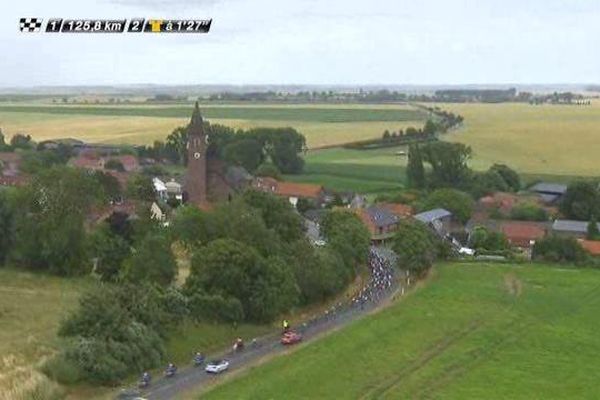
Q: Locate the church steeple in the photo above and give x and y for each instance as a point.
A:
(196, 116)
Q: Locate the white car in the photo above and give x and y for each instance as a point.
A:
(217, 366)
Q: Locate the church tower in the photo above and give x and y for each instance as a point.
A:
(197, 143)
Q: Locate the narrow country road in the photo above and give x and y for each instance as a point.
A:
(383, 283)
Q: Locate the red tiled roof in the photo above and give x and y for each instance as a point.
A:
(292, 189)
(87, 161)
(591, 246)
(398, 209)
(9, 180)
(288, 189)
(366, 219)
(130, 163)
(522, 233)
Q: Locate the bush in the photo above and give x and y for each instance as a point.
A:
(215, 308)
(115, 165)
(62, 370)
(529, 212)
(268, 169)
(559, 249)
(415, 246)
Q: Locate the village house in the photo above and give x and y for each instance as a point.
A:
(160, 189)
(381, 223)
(549, 193)
(398, 209)
(292, 191)
(567, 227)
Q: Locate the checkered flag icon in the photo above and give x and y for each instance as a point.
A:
(30, 24)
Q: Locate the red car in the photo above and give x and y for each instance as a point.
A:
(291, 337)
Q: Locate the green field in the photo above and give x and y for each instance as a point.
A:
(472, 331)
(365, 171)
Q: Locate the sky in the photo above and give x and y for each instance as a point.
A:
(346, 42)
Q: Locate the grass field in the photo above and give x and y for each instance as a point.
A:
(31, 307)
(473, 331)
(323, 125)
(548, 139)
(366, 171)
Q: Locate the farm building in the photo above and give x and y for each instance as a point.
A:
(438, 218)
(523, 234)
(567, 227)
(550, 193)
(380, 222)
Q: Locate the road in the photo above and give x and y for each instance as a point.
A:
(382, 284)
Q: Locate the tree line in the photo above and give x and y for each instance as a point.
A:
(281, 147)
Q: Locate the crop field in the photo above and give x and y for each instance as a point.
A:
(323, 125)
(472, 331)
(544, 139)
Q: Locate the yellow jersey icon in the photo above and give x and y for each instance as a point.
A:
(155, 24)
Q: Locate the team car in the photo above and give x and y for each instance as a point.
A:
(291, 337)
(217, 366)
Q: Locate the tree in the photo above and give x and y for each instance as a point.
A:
(581, 201)
(415, 172)
(192, 226)
(448, 163)
(482, 239)
(346, 234)
(460, 204)
(510, 176)
(231, 269)
(3, 145)
(268, 169)
(21, 141)
(7, 215)
(152, 261)
(176, 145)
(559, 249)
(246, 152)
(386, 135)
(49, 225)
(110, 185)
(415, 246)
(430, 128)
(528, 212)
(109, 251)
(140, 187)
(115, 165)
(593, 233)
(277, 213)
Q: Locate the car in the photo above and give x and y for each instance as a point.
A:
(291, 337)
(217, 366)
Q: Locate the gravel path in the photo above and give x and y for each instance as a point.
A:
(383, 283)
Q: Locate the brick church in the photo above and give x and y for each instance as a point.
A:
(208, 179)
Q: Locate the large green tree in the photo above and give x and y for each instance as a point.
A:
(192, 226)
(581, 201)
(7, 215)
(415, 171)
(458, 203)
(245, 152)
(415, 246)
(448, 163)
(346, 234)
(49, 224)
(152, 261)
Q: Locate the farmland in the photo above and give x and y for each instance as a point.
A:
(545, 139)
(142, 124)
(472, 331)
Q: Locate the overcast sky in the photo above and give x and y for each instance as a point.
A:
(310, 42)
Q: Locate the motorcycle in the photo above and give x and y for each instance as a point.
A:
(170, 371)
(144, 381)
(198, 360)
